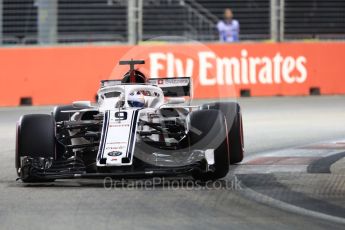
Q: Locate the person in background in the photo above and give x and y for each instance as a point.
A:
(229, 28)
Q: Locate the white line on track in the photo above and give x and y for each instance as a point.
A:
(263, 199)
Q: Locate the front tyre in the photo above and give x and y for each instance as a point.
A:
(35, 138)
(207, 130)
(233, 116)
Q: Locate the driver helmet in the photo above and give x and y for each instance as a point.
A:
(136, 99)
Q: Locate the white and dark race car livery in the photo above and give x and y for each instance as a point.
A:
(139, 127)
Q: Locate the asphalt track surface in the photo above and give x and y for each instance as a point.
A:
(269, 124)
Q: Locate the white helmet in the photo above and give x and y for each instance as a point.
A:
(136, 99)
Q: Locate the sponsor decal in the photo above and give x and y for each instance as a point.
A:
(117, 125)
(116, 142)
(115, 147)
(114, 153)
(121, 115)
(241, 69)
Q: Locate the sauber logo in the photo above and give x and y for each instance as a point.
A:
(114, 153)
(121, 115)
(231, 70)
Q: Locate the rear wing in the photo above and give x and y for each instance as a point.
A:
(171, 87)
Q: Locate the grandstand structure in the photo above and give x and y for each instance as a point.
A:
(131, 21)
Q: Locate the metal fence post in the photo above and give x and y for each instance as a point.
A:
(47, 21)
(140, 20)
(281, 20)
(273, 20)
(134, 17)
(277, 21)
(131, 22)
(1, 23)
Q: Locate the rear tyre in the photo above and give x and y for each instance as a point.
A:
(207, 130)
(35, 138)
(233, 116)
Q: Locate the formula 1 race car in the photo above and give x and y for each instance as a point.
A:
(139, 127)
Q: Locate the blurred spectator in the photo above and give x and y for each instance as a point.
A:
(228, 28)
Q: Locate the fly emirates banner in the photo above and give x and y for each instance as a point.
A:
(62, 74)
(223, 70)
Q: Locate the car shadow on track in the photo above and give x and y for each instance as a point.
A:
(155, 183)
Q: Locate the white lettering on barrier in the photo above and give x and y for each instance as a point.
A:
(245, 69)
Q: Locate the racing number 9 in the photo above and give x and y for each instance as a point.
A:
(121, 115)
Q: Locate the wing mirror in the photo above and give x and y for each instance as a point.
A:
(82, 104)
(176, 100)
